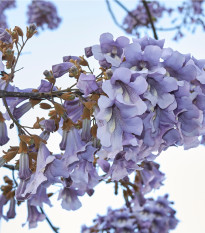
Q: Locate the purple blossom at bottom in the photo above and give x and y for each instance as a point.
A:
(34, 216)
(155, 216)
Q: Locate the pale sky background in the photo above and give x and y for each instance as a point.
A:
(83, 23)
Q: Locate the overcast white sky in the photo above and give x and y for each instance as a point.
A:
(83, 23)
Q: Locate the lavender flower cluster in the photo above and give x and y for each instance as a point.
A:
(139, 17)
(155, 216)
(153, 97)
(43, 13)
(146, 99)
(188, 15)
(4, 5)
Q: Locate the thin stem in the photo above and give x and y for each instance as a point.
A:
(99, 75)
(55, 229)
(72, 86)
(169, 29)
(11, 167)
(112, 14)
(129, 12)
(36, 95)
(90, 69)
(18, 69)
(13, 175)
(8, 110)
(125, 8)
(11, 76)
(150, 19)
(19, 53)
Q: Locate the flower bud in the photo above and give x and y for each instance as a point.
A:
(48, 74)
(31, 30)
(15, 36)
(73, 71)
(19, 31)
(109, 73)
(24, 170)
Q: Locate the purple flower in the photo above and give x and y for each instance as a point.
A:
(20, 111)
(24, 170)
(5, 37)
(3, 131)
(85, 134)
(74, 109)
(84, 175)
(6, 4)
(19, 193)
(40, 197)
(87, 84)
(153, 216)
(43, 13)
(1, 63)
(115, 118)
(151, 177)
(34, 216)
(121, 167)
(74, 144)
(67, 58)
(142, 54)
(109, 52)
(88, 52)
(43, 159)
(62, 144)
(46, 86)
(139, 17)
(48, 125)
(55, 170)
(61, 69)
(70, 199)
(11, 212)
(197, 6)
(3, 201)
(3, 20)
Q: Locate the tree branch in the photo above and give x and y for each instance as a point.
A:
(125, 8)
(113, 15)
(36, 95)
(55, 229)
(8, 110)
(10, 167)
(150, 19)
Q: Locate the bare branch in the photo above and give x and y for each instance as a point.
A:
(150, 19)
(113, 15)
(37, 95)
(55, 229)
